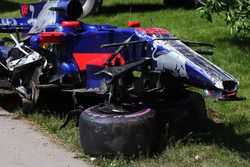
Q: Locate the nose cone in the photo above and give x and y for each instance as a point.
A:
(184, 63)
(230, 86)
(204, 74)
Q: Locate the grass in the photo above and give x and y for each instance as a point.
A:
(228, 143)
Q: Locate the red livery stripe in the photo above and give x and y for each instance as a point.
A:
(72, 24)
(24, 9)
(134, 24)
(151, 31)
(51, 37)
(98, 59)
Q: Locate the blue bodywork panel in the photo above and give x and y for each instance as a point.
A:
(77, 47)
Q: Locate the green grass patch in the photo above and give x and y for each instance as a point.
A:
(228, 143)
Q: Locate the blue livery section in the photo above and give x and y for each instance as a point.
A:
(77, 48)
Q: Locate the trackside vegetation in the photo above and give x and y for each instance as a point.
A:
(235, 12)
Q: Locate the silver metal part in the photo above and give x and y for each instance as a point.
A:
(18, 45)
(27, 59)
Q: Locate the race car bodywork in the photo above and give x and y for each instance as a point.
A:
(57, 51)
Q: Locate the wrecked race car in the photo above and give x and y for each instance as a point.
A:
(141, 74)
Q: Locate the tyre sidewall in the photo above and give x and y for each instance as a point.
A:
(114, 134)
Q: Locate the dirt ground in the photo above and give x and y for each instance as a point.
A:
(21, 145)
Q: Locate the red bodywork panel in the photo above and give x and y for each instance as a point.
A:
(151, 31)
(72, 24)
(51, 37)
(98, 59)
(134, 24)
(24, 9)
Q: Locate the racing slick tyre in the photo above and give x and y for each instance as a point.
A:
(90, 6)
(9, 100)
(198, 113)
(184, 115)
(3, 72)
(27, 105)
(113, 134)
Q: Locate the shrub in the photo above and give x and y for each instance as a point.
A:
(235, 12)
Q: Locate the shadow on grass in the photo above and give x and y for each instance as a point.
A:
(134, 8)
(227, 136)
(242, 42)
(220, 134)
(138, 8)
(7, 6)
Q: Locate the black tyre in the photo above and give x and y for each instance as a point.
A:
(9, 100)
(185, 114)
(90, 6)
(5, 84)
(3, 72)
(103, 134)
(198, 113)
(27, 105)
